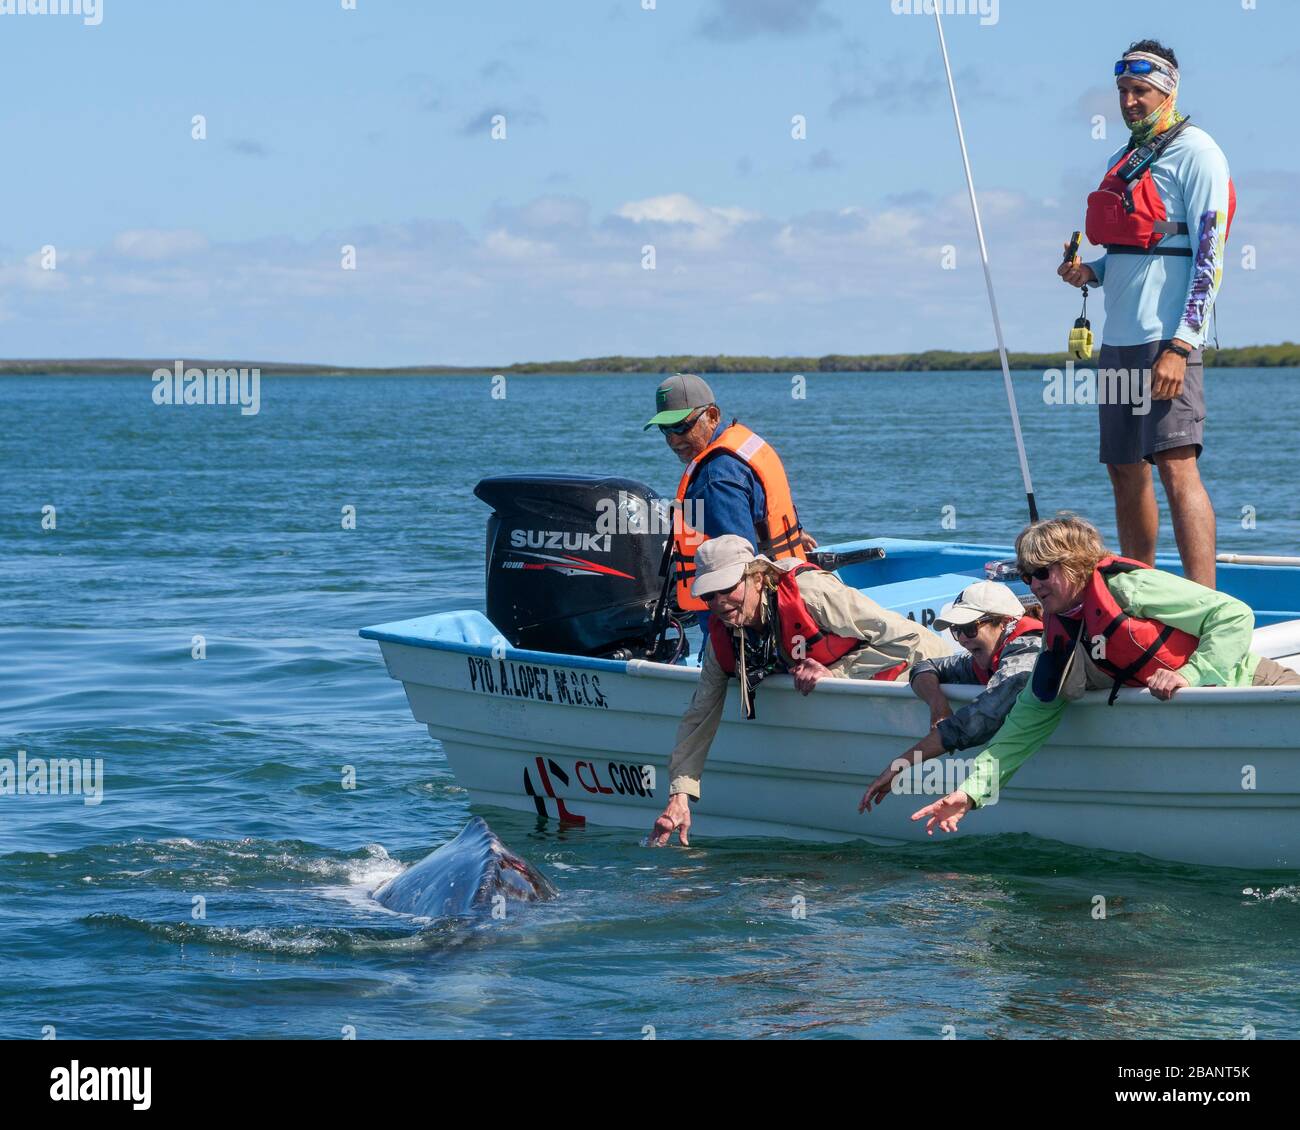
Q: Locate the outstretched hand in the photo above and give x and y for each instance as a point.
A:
(877, 790)
(676, 817)
(947, 811)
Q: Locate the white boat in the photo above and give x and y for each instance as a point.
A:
(1210, 777)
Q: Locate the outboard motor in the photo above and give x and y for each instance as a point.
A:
(574, 562)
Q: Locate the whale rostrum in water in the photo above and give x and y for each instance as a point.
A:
(464, 876)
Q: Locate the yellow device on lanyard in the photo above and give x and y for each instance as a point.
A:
(1079, 343)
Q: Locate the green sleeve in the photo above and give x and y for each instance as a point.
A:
(1221, 623)
(1027, 727)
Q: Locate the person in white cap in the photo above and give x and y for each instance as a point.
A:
(776, 616)
(1000, 645)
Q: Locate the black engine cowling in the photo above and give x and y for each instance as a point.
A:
(573, 561)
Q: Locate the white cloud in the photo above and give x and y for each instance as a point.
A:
(156, 244)
(547, 279)
(707, 226)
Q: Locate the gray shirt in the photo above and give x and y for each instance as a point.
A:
(982, 717)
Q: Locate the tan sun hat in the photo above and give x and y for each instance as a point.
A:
(720, 563)
(974, 602)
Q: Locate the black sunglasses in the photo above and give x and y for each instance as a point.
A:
(966, 631)
(684, 427)
(1035, 574)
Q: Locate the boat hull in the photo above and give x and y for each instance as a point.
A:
(1200, 782)
(1211, 777)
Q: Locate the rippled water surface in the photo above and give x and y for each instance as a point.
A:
(222, 775)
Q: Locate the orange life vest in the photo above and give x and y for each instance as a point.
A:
(780, 535)
(1135, 647)
(1126, 214)
(1024, 626)
(800, 634)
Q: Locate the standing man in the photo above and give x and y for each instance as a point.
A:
(1162, 213)
(734, 483)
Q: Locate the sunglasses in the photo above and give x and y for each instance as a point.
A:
(966, 631)
(1028, 575)
(1137, 67)
(682, 428)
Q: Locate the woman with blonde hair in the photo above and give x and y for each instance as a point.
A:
(1109, 622)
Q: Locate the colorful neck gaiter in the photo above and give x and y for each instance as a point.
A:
(1162, 118)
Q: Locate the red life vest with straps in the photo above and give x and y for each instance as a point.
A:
(1126, 214)
(799, 632)
(1024, 626)
(780, 534)
(1135, 648)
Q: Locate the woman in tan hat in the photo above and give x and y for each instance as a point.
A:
(785, 616)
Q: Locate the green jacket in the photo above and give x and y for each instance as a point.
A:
(1221, 623)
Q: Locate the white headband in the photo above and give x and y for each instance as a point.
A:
(1164, 77)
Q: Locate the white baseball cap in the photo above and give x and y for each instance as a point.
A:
(720, 563)
(984, 598)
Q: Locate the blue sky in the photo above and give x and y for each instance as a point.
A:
(625, 127)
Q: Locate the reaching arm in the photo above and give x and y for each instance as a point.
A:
(1027, 727)
(698, 728)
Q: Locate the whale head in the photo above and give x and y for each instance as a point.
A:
(463, 876)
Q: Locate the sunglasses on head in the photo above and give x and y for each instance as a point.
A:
(682, 428)
(1136, 67)
(1028, 575)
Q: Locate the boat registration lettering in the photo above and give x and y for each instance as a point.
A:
(508, 679)
(928, 616)
(626, 780)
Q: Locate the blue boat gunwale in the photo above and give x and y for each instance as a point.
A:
(973, 555)
(389, 633)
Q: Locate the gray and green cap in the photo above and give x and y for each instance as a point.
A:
(678, 397)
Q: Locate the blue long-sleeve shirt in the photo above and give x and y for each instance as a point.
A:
(727, 496)
(1158, 297)
(728, 499)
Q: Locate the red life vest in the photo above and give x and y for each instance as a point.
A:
(1126, 214)
(1135, 648)
(799, 632)
(1024, 626)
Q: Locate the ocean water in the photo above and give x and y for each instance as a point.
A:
(220, 887)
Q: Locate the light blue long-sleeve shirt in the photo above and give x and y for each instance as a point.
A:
(1157, 297)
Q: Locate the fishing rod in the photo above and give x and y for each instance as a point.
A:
(988, 278)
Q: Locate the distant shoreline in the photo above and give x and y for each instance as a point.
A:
(1285, 355)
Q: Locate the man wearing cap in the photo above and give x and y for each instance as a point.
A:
(1000, 647)
(734, 483)
(776, 617)
(1162, 213)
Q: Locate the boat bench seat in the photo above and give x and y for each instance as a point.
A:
(922, 593)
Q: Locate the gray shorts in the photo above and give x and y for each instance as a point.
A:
(1133, 426)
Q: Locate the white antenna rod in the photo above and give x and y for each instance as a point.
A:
(988, 278)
